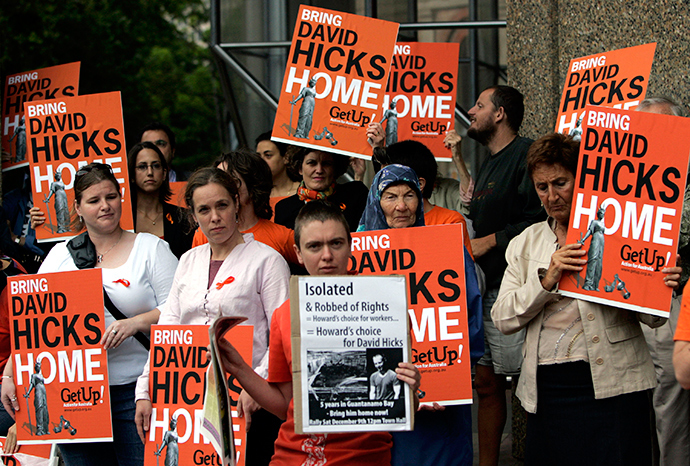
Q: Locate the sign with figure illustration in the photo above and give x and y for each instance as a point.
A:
(437, 302)
(617, 78)
(60, 366)
(420, 96)
(626, 207)
(347, 341)
(177, 382)
(55, 82)
(63, 135)
(335, 80)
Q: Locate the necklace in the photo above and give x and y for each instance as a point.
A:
(289, 190)
(149, 218)
(99, 257)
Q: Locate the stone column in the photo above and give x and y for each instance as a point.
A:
(544, 35)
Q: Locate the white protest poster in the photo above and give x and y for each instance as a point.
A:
(347, 339)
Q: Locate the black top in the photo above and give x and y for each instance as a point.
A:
(504, 202)
(350, 197)
(177, 231)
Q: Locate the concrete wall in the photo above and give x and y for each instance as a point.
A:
(544, 35)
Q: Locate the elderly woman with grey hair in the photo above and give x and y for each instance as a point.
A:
(586, 372)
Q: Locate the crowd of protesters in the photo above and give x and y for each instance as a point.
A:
(255, 217)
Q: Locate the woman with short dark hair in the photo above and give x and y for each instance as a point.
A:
(274, 153)
(587, 370)
(319, 171)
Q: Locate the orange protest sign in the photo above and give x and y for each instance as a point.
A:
(626, 207)
(64, 135)
(60, 367)
(177, 361)
(420, 96)
(177, 384)
(55, 82)
(334, 81)
(438, 304)
(618, 79)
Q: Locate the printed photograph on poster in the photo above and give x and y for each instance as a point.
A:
(341, 379)
(627, 206)
(347, 341)
(420, 95)
(64, 135)
(438, 302)
(381, 364)
(54, 82)
(617, 79)
(60, 367)
(337, 375)
(334, 81)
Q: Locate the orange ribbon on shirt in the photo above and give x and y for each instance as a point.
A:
(227, 281)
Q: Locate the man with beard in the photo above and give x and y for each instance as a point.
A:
(502, 203)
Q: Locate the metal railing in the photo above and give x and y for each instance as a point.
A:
(222, 52)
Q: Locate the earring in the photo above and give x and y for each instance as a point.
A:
(237, 217)
(81, 220)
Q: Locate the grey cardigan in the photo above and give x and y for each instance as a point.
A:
(616, 348)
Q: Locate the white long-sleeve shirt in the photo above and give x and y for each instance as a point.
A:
(139, 285)
(259, 286)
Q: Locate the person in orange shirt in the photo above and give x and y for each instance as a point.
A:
(322, 239)
(254, 180)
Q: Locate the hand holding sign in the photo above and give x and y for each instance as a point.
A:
(9, 392)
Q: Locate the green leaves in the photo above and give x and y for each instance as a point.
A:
(150, 50)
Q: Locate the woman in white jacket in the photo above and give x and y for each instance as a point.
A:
(586, 368)
(230, 275)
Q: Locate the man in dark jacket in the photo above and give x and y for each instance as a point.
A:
(502, 203)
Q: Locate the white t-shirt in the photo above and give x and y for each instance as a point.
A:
(139, 285)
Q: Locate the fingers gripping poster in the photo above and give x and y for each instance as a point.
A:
(64, 135)
(60, 367)
(28, 455)
(626, 207)
(334, 81)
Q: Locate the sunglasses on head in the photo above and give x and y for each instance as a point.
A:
(94, 166)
